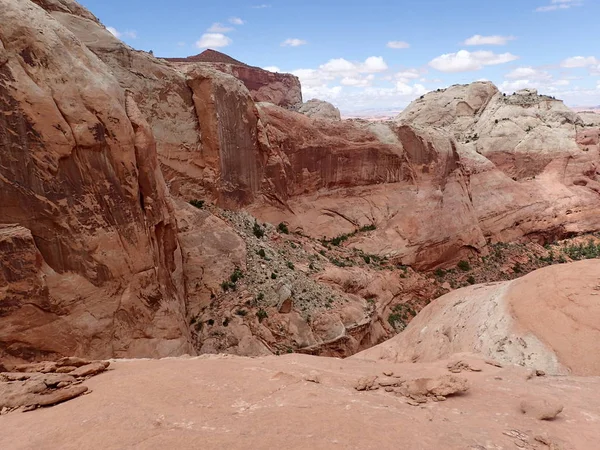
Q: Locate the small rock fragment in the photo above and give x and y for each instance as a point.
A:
(493, 363)
(366, 384)
(540, 373)
(388, 373)
(541, 408)
(90, 369)
(313, 377)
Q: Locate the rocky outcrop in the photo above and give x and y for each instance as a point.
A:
(91, 264)
(282, 89)
(532, 162)
(319, 109)
(545, 320)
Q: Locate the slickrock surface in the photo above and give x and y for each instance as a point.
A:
(300, 402)
(546, 320)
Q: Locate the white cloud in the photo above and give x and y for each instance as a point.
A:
(465, 61)
(218, 27)
(358, 81)
(122, 34)
(406, 75)
(264, 5)
(293, 42)
(213, 40)
(580, 61)
(236, 21)
(488, 40)
(374, 64)
(549, 87)
(398, 44)
(272, 69)
(528, 73)
(558, 5)
(322, 92)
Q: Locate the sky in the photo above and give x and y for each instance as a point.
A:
(379, 55)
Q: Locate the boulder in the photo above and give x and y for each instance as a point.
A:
(320, 110)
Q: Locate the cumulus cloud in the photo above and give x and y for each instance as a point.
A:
(556, 5)
(406, 75)
(398, 44)
(272, 69)
(293, 42)
(213, 40)
(122, 34)
(488, 40)
(218, 27)
(548, 86)
(236, 21)
(465, 61)
(579, 62)
(528, 73)
(358, 81)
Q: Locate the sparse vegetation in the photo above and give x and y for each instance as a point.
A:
(197, 203)
(262, 315)
(463, 265)
(242, 312)
(283, 228)
(262, 253)
(290, 265)
(231, 283)
(471, 279)
(258, 231)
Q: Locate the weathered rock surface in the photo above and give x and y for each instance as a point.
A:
(541, 408)
(319, 109)
(268, 403)
(90, 263)
(532, 163)
(545, 320)
(282, 89)
(44, 384)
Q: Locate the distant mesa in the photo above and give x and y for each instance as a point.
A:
(210, 56)
(281, 89)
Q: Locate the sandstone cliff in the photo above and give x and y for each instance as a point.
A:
(90, 259)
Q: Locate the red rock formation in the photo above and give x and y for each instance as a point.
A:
(282, 89)
(92, 266)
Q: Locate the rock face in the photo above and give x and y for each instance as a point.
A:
(282, 89)
(545, 320)
(319, 109)
(532, 162)
(90, 259)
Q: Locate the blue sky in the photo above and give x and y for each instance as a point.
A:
(381, 54)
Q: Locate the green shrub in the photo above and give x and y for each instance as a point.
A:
(197, 203)
(471, 279)
(464, 266)
(262, 253)
(367, 259)
(241, 312)
(440, 273)
(262, 315)
(258, 231)
(366, 228)
(260, 297)
(273, 276)
(290, 265)
(282, 228)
